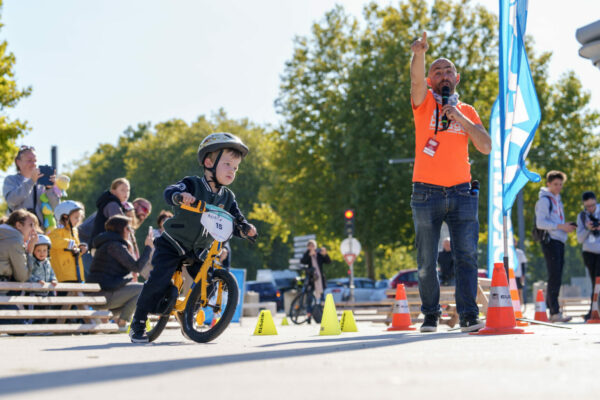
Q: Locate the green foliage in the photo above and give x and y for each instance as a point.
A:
(345, 101)
(10, 95)
(345, 97)
(154, 157)
(567, 140)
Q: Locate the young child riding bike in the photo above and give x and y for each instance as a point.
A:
(220, 155)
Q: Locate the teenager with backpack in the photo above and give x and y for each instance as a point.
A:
(550, 217)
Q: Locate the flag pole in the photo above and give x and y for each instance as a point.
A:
(505, 235)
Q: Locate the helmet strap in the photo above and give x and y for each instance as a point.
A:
(213, 171)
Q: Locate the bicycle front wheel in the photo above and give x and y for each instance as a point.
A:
(193, 325)
(301, 307)
(156, 327)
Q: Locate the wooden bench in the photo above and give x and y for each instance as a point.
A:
(367, 311)
(447, 301)
(75, 296)
(574, 306)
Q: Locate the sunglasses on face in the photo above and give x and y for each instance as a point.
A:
(23, 149)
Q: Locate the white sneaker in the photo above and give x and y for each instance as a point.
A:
(559, 318)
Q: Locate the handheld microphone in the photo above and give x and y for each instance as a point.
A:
(445, 95)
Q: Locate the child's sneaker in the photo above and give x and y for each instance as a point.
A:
(137, 332)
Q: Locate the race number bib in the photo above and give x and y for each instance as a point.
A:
(218, 223)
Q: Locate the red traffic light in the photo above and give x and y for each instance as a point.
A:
(349, 214)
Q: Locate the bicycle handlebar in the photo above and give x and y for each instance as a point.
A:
(199, 207)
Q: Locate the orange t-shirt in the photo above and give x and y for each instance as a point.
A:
(450, 164)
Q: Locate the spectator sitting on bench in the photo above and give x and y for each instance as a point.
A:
(113, 265)
(42, 273)
(17, 241)
(66, 249)
(42, 269)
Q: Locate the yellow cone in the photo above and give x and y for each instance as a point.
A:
(329, 323)
(284, 322)
(265, 324)
(347, 323)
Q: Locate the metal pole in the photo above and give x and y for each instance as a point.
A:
(521, 221)
(351, 272)
(505, 231)
(53, 157)
(521, 245)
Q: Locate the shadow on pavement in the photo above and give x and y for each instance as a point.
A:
(117, 345)
(398, 336)
(81, 376)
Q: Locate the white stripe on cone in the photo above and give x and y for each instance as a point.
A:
(401, 307)
(540, 306)
(500, 297)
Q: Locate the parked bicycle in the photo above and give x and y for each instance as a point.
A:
(305, 306)
(213, 289)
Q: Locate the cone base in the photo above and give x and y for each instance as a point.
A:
(401, 328)
(593, 321)
(522, 323)
(500, 331)
(542, 318)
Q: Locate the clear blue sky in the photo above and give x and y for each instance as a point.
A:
(98, 67)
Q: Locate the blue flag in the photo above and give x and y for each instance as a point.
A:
(520, 112)
(515, 117)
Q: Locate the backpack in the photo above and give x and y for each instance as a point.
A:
(541, 235)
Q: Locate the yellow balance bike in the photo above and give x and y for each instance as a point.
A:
(213, 288)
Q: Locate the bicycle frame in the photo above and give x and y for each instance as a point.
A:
(202, 275)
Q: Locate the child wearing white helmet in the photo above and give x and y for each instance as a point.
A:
(219, 155)
(66, 248)
(42, 269)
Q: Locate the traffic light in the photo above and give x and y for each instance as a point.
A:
(349, 220)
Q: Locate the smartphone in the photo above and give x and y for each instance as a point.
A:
(48, 171)
(572, 223)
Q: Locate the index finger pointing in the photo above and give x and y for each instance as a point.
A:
(424, 36)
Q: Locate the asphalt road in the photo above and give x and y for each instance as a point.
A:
(299, 364)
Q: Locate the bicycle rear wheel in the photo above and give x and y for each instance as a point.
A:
(194, 326)
(301, 307)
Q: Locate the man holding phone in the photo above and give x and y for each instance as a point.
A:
(23, 190)
(550, 216)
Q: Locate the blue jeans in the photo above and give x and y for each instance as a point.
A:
(431, 205)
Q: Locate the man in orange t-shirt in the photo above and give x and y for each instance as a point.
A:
(442, 189)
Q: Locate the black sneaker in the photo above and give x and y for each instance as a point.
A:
(137, 333)
(430, 323)
(470, 324)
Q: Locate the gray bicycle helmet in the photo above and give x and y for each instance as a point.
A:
(43, 239)
(65, 208)
(219, 141)
(215, 142)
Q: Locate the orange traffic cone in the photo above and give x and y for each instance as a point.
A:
(401, 313)
(514, 295)
(500, 315)
(540, 307)
(595, 317)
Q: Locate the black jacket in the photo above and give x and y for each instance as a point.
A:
(104, 199)
(321, 259)
(112, 262)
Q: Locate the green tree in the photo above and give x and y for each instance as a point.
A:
(154, 157)
(567, 140)
(345, 97)
(10, 130)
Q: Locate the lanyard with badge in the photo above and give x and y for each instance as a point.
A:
(432, 144)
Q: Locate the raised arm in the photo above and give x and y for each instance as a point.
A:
(418, 84)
